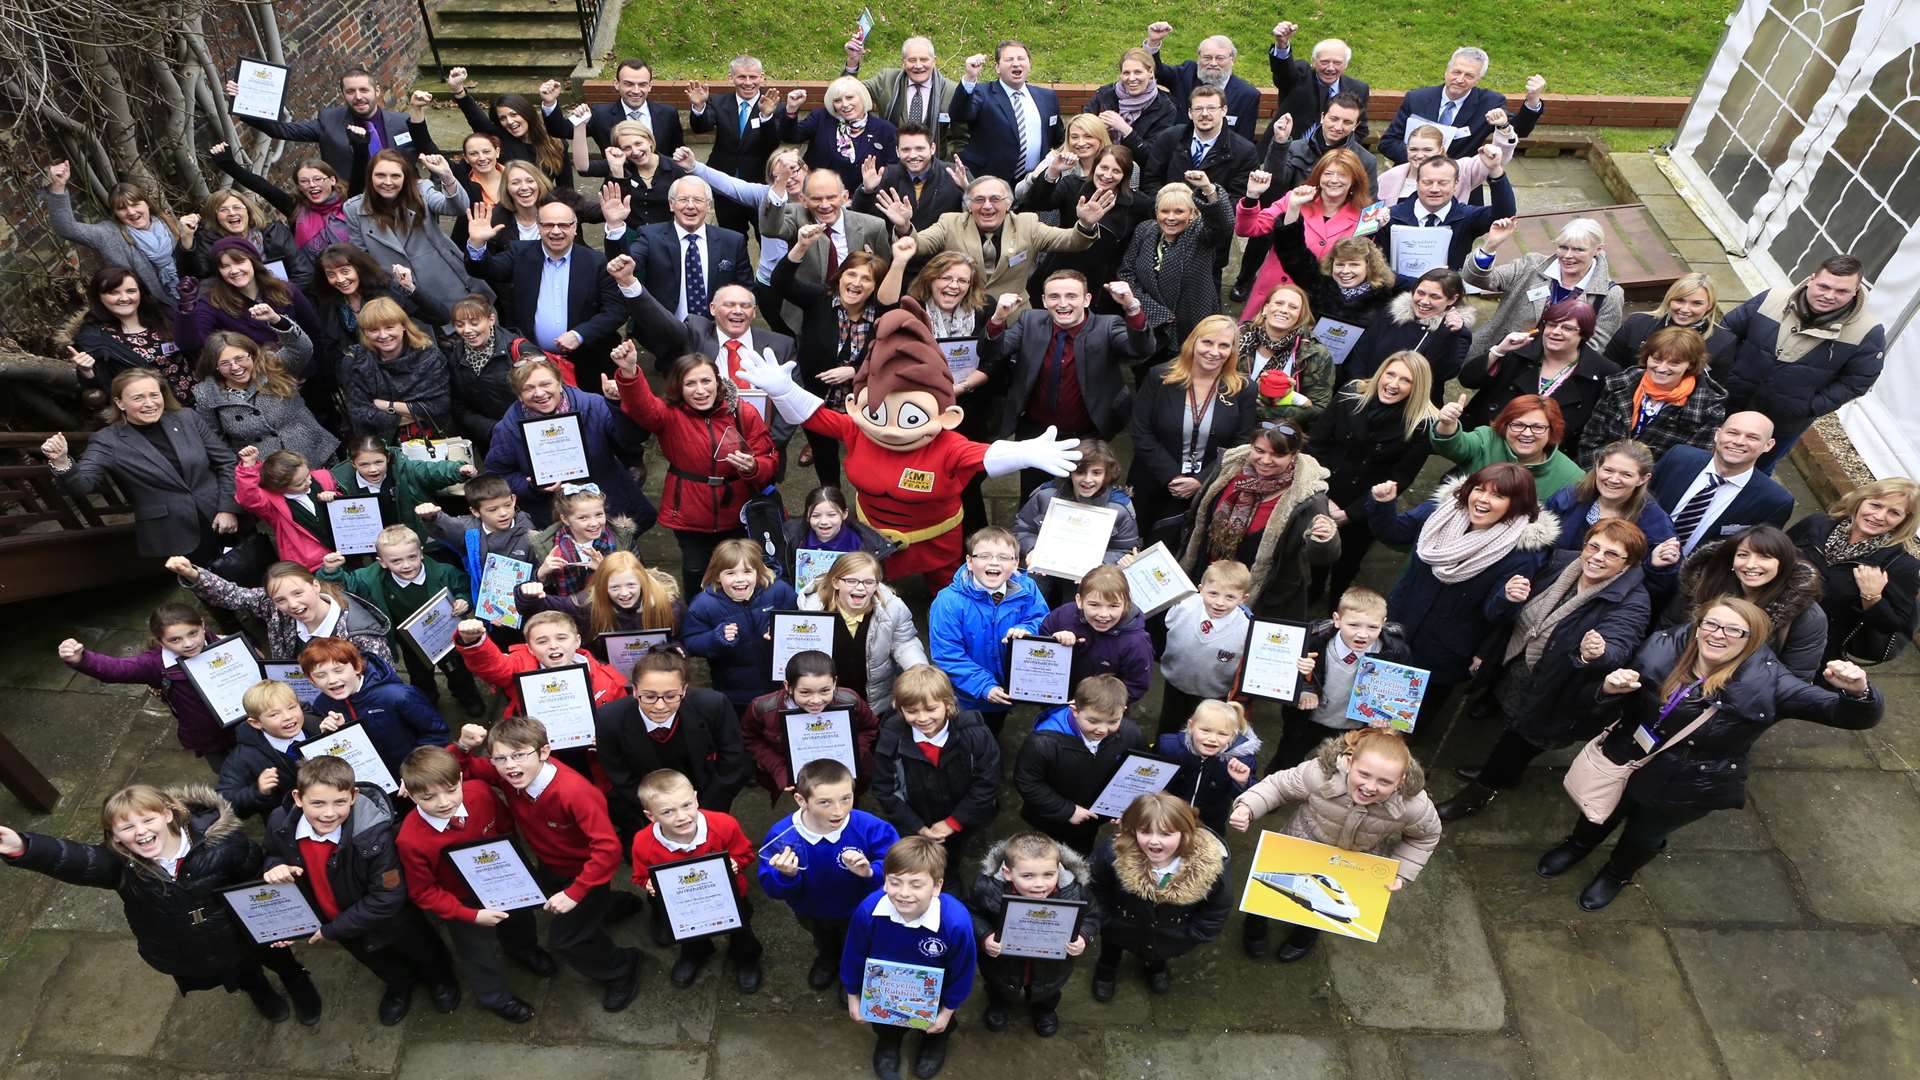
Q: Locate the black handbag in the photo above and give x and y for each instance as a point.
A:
(1868, 646)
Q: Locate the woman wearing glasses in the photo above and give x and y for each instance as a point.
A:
(1527, 432)
(874, 638)
(1558, 361)
(1576, 269)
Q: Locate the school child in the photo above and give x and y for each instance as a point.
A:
(355, 689)
(874, 638)
(169, 854)
(1029, 866)
(680, 829)
(729, 623)
(1330, 660)
(1217, 753)
(1109, 637)
(1361, 791)
(968, 625)
(336, 843)
(825, 524)
(372, 468)
(179, 631)
(820, 859)
(911, 920)
(552, 641)
(563, 819)
(1162, 886)
(258, 775)
(1073, 751)
(280, 491)
(668, 723)
(496, 527)
(936, 766)
(622, 595)
(1094, 482)
(400, 582)
(567, 551)
(449, 812)
(1206, 633)
(810, 687)
(295, 606)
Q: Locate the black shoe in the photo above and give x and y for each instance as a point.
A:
(1562, 859)
(305, 996)
(1470, 775)
(1467, 802)
(821, 974)
(267, 1003)
(684, 972)
(1160, 979)
(1290, 952)
(512, 1010)
(621, 991)
(886, 1060)
(1602, 889)
(395, 1004)
(537, 960)
(1104, 984)
(747, 977)
(996, 1018)
(1253, 937)
(446, 996)
(1238, 294)
(474, 708)
(1046, 1024)
(932, 1055)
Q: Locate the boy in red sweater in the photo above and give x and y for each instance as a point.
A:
(681, 830)
(448, 813)
(552, 641)
(563, 818)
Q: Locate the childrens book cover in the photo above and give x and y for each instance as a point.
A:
(1386, 694)
(1315, 885)
(904, 995)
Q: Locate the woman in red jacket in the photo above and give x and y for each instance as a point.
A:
(719, 453)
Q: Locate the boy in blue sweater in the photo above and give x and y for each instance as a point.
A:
(912, 921)
(820, 860)
(970, 620)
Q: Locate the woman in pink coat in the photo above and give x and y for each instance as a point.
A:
(1339, 181)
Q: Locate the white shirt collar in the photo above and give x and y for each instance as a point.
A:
(440, 824)
(282, 744)
(928, 920)
(1012, 89)
(811, 837)
(1344, 648)
(1420, 211)
(699, 835)
(1168, 871)
(1736, 480)
(1093, 745)
(304, 498)
(417, 579)
(541, 780)
(326, 627)
(939, 740)
(172, 866)
(698, 233)
(651, 726)
(304, 831)
(366, 485)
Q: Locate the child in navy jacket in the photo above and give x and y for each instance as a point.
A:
(912, 921)
(820, 859)
(1108, 636)
(936, 767)
(1216, 754)
(729, 621)
(1065, 764)
(398, 716)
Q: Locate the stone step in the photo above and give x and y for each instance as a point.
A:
(495, 28)
(556, 60)
(559, 9)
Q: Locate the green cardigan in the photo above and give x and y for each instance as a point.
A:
(367, 583)
(1483, 446)
(414, 482)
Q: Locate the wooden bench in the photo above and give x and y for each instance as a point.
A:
(1639, 255)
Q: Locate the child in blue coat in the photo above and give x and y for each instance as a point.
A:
(972, 618)
(729, 623)
(364, 690)
(1216, 754)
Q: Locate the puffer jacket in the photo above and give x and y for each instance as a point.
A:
(1191, 911)
(1549, 708)
(1125, 536)
(965, 628)
(1280, 563)
(703, 492)
(1020, 976)
(1799, 622)
(364, 870)
(360, 622)
(418, 377)
(1204, 782)
(1402, 826)
(893, 645)
(913, 792)
(1396, 328)
(742, 668)
(252, 754)
(1056, 773)
(1831, 365)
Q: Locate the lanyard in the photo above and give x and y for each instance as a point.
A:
(1547, 388)
(1673, 701)
(1198, 411)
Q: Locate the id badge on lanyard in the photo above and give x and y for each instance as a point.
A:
(1648, 740)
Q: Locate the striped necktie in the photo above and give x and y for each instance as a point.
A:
(1690, 515)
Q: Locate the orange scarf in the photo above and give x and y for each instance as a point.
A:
(1681, 391)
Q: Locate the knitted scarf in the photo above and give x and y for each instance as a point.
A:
(1131, 105)
(1533, 627)
(317, 226)
(1234, 512)
(1254, 338)
(575, 576)
(1838, 549)
(1453, 552)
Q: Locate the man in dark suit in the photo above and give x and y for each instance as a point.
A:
(1205, 143)
(1710, 496)
(564, 300)
(913, 93)
(1212, 66)
(745, 135)
(1011, 124)
(1461, 103)
(685, 261)
(386, 129)
(930, 186)
(1290, 163)
(1306, 86)
(1435, 206)
(634, 81)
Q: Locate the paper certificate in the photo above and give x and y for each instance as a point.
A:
(963, 356)
(556, 448)
(272, 912)
(1073, 539)
(1386, 694)
(500, 578)
(698, 896)
(1039, 669)
(288, 671)
(1448, 132)
(278, 268)
(430, 629)
(497, 874)
(1418, 249)
(1138, 774)
(1270, 664)
(562, 699)
(1339, 338)
(809, 564)
(356, 524)
(1319, 886)
(222, 673)
(825, 734)
(755, 399)
(1041, 929)
(904, 995)
(625, 648)
(354, 746)
(797, 632)
(1156, 581)
(263, 87)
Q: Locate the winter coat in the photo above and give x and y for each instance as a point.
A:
(705, 723)
(763, 727)
(1097, 260)
(1284, 552)
(1524, 294)
(1204, 781)
(200, 319)
(364, 870)
(274, 245)
(195, 725)
(290, 539)
(339, 332)
(1123, 651)
(1550, 706)
(1894, 615)
(1623, 347)
(1799, 622)
(1055, 771)
(417, 377)
(1403, 826)
(1160, 114)
(1191, 911)
(439, 268)
(409, 483)
(799, 534)
(109, 241)
(543, 541)
(253, 417)
(1125, 536)
(612, 443)
(487, 393)
(1395, 328)
(239, 781)
(1476, 449)
(1690, 424)
(703, 493)
(1832, 364)
(742, 668)
(893, 645)
(360, 622)
(965, 628)
(112, 355)
(1312, 375)
(1180, 286)
(1324, 295)
(1518, 373)
(1653, 523)
(1018, 976)
(1362, 444)
(398, 716)
(913, 793)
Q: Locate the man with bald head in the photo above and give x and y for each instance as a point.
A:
(913, 93)
(1007, 244)
(1212, 66)
(1710, 495)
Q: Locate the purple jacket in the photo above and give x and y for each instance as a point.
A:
(1124, 651)
(198, 729)
(202, 320)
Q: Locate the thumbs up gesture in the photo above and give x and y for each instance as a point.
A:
(1449, 421)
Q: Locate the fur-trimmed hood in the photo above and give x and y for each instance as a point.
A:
(1073, 865)
(1402, 311)
(1199, 869)
(210, 820)
(1539, 535)
(1332, 760)
(1807, 584)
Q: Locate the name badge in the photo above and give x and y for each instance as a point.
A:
(1053, 121)
(916, 480)
(945, 118)
(1729, 530)
(168, 348)
(754, 123)
(1232, 119)
(1539, 292)
(403, 138)
(1016, 259)
(1644, 739)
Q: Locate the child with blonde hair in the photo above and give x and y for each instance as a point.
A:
(1216, 753)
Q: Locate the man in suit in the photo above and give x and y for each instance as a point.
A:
(1305, 87)
(823, 201)
(1206, 143)
(684, 261)
(1011, 125)
(385, 128)
(933, 188)
(634, 81)
(1435, 206)
(1007, 244)
(564, 300)
(1212, 66)
(1290, 163)
(1460, 102)
(1710, 496)
(913, 93)
(744, 133)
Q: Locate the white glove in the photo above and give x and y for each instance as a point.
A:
(1056, 457)
(794, 402)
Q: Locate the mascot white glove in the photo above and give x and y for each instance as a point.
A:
(794, 402)
(1044, 452)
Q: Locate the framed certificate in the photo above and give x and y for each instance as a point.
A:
(1386, 694)
(278, 268)
(624, 648)
(1269, 664)
(354, 746)
(1039, 669)
(904, 995)
(753, 398)
(562, 699)
(430, 629)
(500, 578)
(1156, 581)
(698, 896)
(556, 448)
(798, 631)
(963, 356)
(1041, 929)
(356, 524)
(263, 88)
(1139, 774)
(1339, 337)
(272, 912)
(288, 671)
(222, 673)
(812, 736)
(809, 564)
(497, 874)
(1073, 539)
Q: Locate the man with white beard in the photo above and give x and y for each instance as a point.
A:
(1213, 66)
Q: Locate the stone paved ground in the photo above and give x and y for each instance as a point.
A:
(1780, 941)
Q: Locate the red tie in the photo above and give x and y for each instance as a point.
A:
(661, 735)
(1351, 657)
(1206, 626)
(733, 366)
(833, 256)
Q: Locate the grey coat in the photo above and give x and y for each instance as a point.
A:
(107, 240)
(251, 418)
(439, 268)
(1518, 311)
(893, 646)
(172, 508)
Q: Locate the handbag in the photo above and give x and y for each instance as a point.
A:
(1868, 646)
(1597, 784)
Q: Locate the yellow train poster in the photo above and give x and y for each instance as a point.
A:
(1308, 884)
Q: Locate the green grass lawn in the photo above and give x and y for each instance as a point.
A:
(1653, 47)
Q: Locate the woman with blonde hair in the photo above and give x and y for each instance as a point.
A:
(397, 382)
(1375, 433)
(843, 133)
(1132, 107)
(624, 595)
(1692, 303)
(1576, 269)
(1863, 548)
(874, 638)
(233, 213)
(1291, 371)
(1170, 261)
(1184, 414)
(633, 161)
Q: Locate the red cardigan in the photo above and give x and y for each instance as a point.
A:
(567, 826)
(723, 836)
(433, 884)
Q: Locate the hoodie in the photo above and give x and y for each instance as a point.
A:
(398, 716)
(1204, 781)
(1055, 772)
(1021, 976)
(1124, 651)
(965, 629)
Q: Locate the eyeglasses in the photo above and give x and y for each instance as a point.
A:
(1710, 628)
(1528, 429)
(556, 224)
(667, 697)
(860, 582)
(988, 200)
(233, 363)
(514, 758)
(1611, 556)
(990, 557)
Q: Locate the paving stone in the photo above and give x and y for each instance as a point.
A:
(830, 1045)
(104, 1000)
(437, 1061)
(62, 1069)
(1208, 1056)
(41, 724)
(212, 1029)
(93, 910)
(1895, 744)
(1643, 172)
(1431, 969)
(1805, 1004)
(1536, 815)
(1851, 874)
(1474, 1057)
(1511, 892)
(1699, 253)
(1210, 986)
(23, 981)
(1719, 886)
(1593, 994)
(660, 1016)
(1676, 218)
(1811, 746)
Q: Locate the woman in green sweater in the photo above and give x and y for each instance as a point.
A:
(1527, 432)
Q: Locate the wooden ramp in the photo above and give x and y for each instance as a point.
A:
(1639, 255)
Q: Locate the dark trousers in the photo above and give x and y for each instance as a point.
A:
(480, 950)
(417, 954)
(743, 946)
(579, 938)
(1078, 837)
(1299, 737)
(999, 995)
(1355, 540)
(826, 457)
(1507, 761)
(894, 1036)
(1647, 827)
(770, 304)
(1250, 259)
(250, 975)
(696, 551)
(420, 673)
(1176, 708)
(1114, 946)
(829, 938)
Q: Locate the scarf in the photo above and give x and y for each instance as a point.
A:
(844, 133)
(1131, 106)
(156, 242)
(1351, 293)
(317, 226)
(1453, 552)
(476, 360)
(1838, 549)
(1647, 392)
(574, 577)
(1254, 338)
(855, 337)
(1811, 320)
(1533, 627)
(1234, 512)
(958, 324)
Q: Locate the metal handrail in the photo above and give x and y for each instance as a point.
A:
(589, 12)
(426, 25)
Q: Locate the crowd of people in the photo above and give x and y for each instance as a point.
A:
(1609, 562)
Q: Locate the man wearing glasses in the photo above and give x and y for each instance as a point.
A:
(555, 290)
(683, 263)
(1007, 244)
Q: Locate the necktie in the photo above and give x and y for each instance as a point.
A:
(696, 276)
(1447, 110)
(733, 363)
(917, 106)
(457, 822)
(990, 250)
(1199, 152)
(1350, 658)
(833, 257)
(1433, 221)
(1690, 515)
(1165, 878)
(1050, 374)
(1206, 626)
(1018, 100)
(661, 735)
(746, 113)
